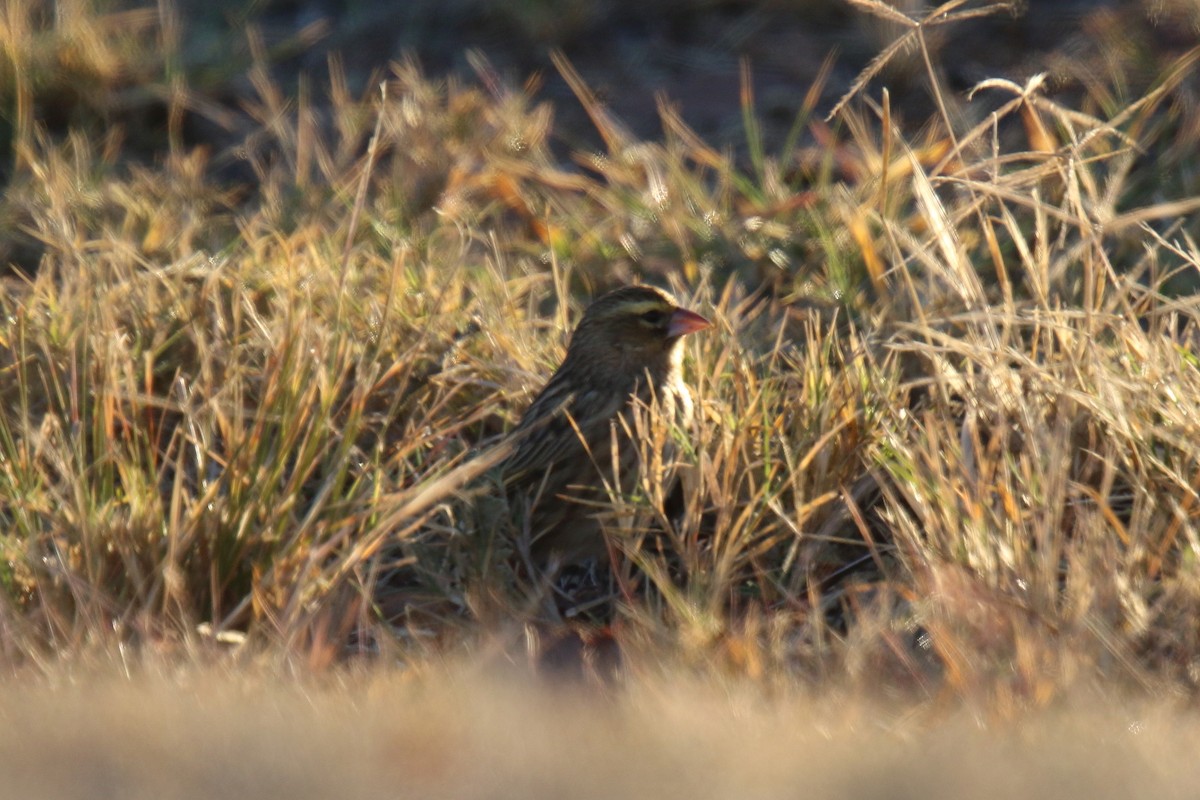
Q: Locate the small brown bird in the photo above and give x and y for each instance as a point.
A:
(557, 464)
(624, 353)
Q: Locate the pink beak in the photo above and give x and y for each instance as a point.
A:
(684, 322)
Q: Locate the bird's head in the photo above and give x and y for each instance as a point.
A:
(635, 327)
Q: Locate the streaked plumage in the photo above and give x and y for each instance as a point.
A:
(624, 351)
(554, 466)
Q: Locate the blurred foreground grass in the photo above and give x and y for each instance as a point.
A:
(467, 735)
(949, 440)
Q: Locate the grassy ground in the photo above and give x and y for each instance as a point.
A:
(947, 455)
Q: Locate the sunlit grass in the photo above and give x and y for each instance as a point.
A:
(946, 440)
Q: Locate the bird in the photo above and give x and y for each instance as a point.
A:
(575, 442)
(585, 434)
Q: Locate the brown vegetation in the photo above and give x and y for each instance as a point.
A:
(948, 420)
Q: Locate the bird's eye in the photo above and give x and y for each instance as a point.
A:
(655, 317)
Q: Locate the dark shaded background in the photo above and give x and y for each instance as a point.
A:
(690, 50)
(1099, 56)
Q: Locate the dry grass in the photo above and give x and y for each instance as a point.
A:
(462, 735)
(948, 432)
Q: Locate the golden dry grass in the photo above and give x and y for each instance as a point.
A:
(947, 445)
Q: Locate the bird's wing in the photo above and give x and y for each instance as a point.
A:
(556, 427)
